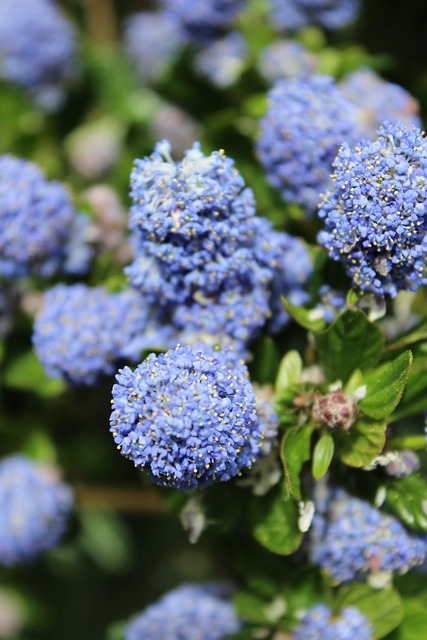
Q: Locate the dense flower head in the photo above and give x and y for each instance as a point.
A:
(152, 41)
(188, 417)
(351, 540)
(291, 265)
(286, 60)
(82, 332)
(306, 122)
(320, 622)
(194, 227)
(223, 61)
(293, 15)
(189, 612)
(37, 48)
(34, 509)
(202, 20)
(377, 100)
(28, 201)
(375, 213)
(331, 304)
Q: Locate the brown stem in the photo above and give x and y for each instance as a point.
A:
(123, 499)
(101, 17)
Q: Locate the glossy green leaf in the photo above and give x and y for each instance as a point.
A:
(414, 623)
(322, 455)
(351, 342)
(276, 525)
(355, 382)
(385, 386)
(363, 443)
(290, 370)
(294, 451)
(407, 497)
(414, 398)
(383, 608)
(305, 317)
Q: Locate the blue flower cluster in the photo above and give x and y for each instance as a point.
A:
(377, 100)
(306, 122)
(351, 540)
(203, 258)
(319, 622)
(152, 41)
(331, 304)
(37, 49)
(375, 213)
(34, 509)
(223, 61)
(36, 221)
(187, 417)
(189, 612)
(293, 15)
(81, 333)
(286, 60)
(201, 21)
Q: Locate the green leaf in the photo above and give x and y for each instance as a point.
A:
(363, 443)
(414, 398)
(276, 526)
(322, 455)
(351, 342)
(408, 499)
(385, 386)
(294, 451)
(414, 335)
(383, 608)
(105, 537)
(355, 382)
(414, 623)
(26, 373)
(253, 609)
(290, 370)
(305, 317)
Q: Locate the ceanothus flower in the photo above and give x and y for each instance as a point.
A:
(34, 509)
(37, 49)
(187, 417)
(189, 612)
(223, 61)
(352, 540)
(201, 21)
(306, 122)
(152, 41)
(293, 15)
(286, 60)
(377, 100)
(37, 221)
(81, 333)
(375, 212)
(194, 229)
(290, 263)
(320, 622)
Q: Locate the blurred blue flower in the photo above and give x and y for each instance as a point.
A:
(223, 61)
(38, 49)
(286, 60)
(34, 509)
(320, 622)
(189, 612)
(188, 417)
(202, 21)
(377, 100)
(152, 41)
(350, 540)
(375, 213)
(293, 15)
(37, 222)
(81, 333)
(306, 122)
